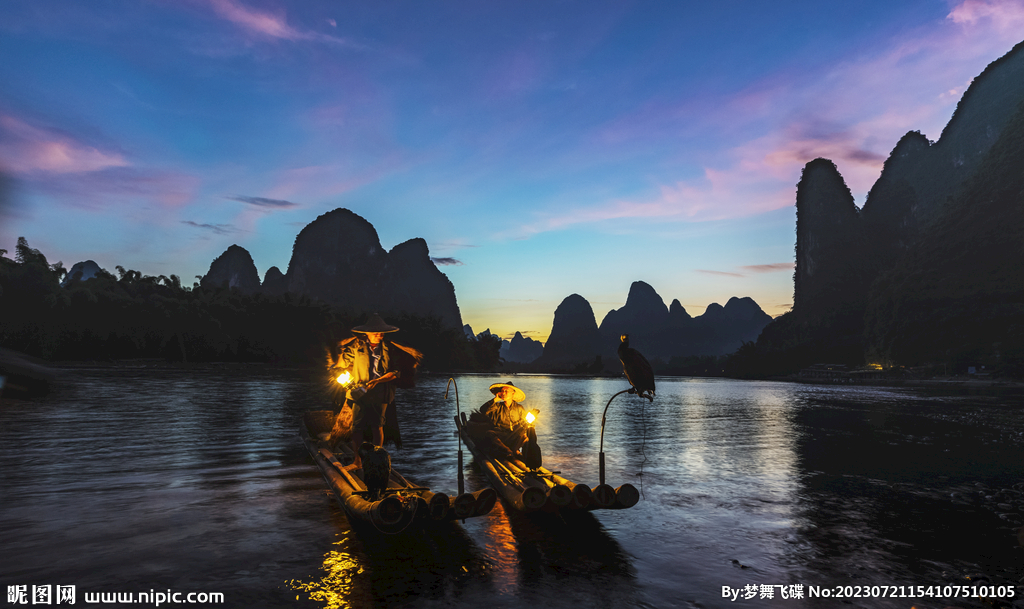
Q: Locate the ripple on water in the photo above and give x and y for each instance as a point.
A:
(194, 479)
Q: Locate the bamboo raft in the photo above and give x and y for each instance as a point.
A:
(403, 505)
(543, 490)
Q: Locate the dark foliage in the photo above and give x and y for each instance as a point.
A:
(140, 316)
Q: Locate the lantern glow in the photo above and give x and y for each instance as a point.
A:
(344, 378)
(530, 418)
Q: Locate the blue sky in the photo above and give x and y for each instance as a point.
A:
(544, 148)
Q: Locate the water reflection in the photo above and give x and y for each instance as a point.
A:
(336, 589)
(194, 479)
(365, 568)
(898, 488)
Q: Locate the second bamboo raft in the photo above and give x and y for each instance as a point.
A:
(543, 490)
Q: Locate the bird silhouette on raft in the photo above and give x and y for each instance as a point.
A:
(637, 369)
(376, 469)
(531, 450)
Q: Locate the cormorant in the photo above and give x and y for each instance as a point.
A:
(531, 450)
(638, 370)
(376, 469)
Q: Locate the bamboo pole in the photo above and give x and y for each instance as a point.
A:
(458, 415)
(604, 418)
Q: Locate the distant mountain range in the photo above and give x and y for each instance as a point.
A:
(338, 259)
(518, 350)
(930, 269)
(659, 332)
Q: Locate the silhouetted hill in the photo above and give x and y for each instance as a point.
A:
(642, 317)
(233, 269)
(925, 271)
(338, 259)
(81, 271)
(417, 287)
(521, 350)
(274, 282)
(978, 122)
(828, 235)
(957, 292)
(677, 315)
(660, 333)
(574, 337)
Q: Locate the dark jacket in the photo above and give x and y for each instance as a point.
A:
(355, 357)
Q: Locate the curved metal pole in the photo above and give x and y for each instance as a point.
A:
(458, 414)
(604, 418)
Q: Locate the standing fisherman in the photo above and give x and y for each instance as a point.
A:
(375, 366)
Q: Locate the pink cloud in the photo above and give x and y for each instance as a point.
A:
(320, 181)
(1004, 15)
(25, 149)
(769, 268)
(258, 22)
(119, 186)
(751, 268)
(853, 112)
(719, 195)
(313, 183)
(66, 173)
(271, 25)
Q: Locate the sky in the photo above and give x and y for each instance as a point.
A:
(541, 148)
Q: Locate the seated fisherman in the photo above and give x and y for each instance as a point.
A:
(499, 426)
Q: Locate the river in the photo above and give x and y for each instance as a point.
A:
(154, 479)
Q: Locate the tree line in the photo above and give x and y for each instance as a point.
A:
(131, 315)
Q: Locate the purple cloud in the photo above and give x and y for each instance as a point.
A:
(719, 273)
(848, 111)
(446, 261)
(220, 229)
(118, 185)
(27, 149)
(769, 268)
(262, 202)
(752, 268)
(272, 25)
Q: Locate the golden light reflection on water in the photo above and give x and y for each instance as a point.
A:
(335, 588)
(500, 545)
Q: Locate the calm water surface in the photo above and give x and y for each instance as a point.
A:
(194, 480)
